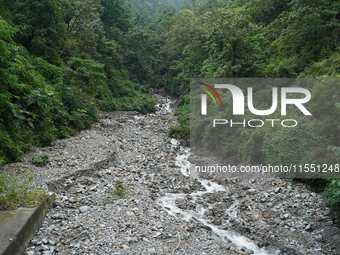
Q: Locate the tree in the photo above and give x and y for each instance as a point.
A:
(307, 33)
(235, 46)
(41, 30)
(83, 27)
(114, 17)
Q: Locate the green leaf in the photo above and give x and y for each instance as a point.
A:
(337, 105)
(16, 122)
(336, 192)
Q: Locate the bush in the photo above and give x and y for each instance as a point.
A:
(142, 103)
(179, 132)
(41, 160)
(183, 113)
(332, 197)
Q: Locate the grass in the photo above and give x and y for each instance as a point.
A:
(118, 191)
(16, 189)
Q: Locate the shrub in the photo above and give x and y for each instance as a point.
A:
(41, 160)
(179, 132)
(332, 197)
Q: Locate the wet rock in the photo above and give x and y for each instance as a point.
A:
(207, 227)
(247, 251)
(217, 222)
(225, 246)
(216, 239)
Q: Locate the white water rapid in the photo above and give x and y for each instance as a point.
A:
(167, 202)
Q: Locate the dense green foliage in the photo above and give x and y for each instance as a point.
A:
(256, 38)
(60, 61)
(142, 12)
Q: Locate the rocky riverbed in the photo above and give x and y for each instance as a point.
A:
(122, 187)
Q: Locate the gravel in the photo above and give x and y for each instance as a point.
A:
(110, 181)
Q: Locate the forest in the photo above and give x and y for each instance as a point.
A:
(64, 60)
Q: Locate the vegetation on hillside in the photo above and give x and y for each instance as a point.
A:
(60, 61)
(256, 39)
(63, 59)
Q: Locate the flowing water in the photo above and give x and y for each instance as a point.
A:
(168, 201)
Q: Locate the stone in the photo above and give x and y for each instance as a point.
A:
(329, 223)
(308, 227)
(247, 251)
(216, 239)
(251, 191)
(152, 250)
(319, 238)
(277, 190)
(130, 214)
(84, 209)
(225, 246)
(45, 247)
(267, 216)
(207, 227)
(152, 175)
(129, 239)
(184, 237)
(157, 234)
(260, 244)
(217, 222)
(125, 247)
